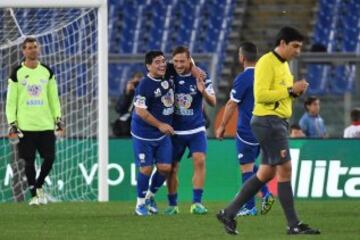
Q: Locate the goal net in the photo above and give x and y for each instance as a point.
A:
(68, 40)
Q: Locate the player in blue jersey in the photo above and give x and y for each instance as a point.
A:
(189, 127)
(248, 148)
(151, 129)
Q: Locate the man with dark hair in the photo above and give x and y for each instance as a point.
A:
(295, 131)
(311, 123)
(274, 91)
(33, 112)
(189, 127)
(353, 131)
(151, 128)
(248, 148)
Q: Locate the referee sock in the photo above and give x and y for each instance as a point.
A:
(286, 199)
(157, 180)
(249, 189)
(264, 189)
(246, 176)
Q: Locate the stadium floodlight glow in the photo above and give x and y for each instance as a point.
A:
(76, 45)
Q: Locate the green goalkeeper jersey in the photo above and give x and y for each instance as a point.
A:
(32, 99)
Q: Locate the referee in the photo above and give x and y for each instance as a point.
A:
(33, 113)
(274, 91)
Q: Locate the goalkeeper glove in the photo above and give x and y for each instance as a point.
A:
(14, 133)
(60, 125)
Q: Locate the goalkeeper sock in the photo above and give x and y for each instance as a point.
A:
(246, 176)
(142, 185)
(157, 180)
(45, 170)
(264, 189)
(30, 175)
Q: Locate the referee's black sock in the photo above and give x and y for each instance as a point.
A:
(45, 170)
(286, 199)
(30, 175)
(250, 188)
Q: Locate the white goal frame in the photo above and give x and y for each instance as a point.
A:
(101, 5)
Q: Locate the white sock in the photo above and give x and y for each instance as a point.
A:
(140, 201)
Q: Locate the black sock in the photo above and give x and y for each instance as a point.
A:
(249, 189)
(30, 175)
(45, 169)
(286, 199)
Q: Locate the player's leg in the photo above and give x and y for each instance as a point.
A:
(246, 158)
(179, 146)
(143, 151)
(163, 167)
(198, 147)
(172, 184)
(268, 199)
(46, 148)
(27, 149)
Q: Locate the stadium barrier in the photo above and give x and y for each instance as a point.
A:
(323, 169)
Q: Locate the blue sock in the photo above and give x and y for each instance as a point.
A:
(157, 180)
(197, 195)
(142, 184)
(251, 203)
(172, 198)
(264, 189)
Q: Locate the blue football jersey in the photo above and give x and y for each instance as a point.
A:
(157, 96)
(189, 104)
(242, 93)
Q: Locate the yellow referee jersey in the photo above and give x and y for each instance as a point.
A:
(272, 80)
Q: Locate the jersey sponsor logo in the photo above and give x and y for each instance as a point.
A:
(168, 111)
(157, 92)
(181, 82)
(183, 100)
(168, 99)
(140, 101)
(184, 112)
(34, 90)
(165, 84)
(35, 102)
(43, 81)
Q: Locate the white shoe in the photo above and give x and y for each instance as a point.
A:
(41, 196)
(34, 201)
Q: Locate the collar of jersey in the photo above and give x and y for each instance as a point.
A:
(249, 68)
(154, 79)
(23, 64)
(278, 56)
(185, 75)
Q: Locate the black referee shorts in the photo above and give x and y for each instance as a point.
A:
(272, 134)
(42, 141)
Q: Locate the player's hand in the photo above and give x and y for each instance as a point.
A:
(200, 84)
(220, 131)
(198, 73)
(166, 128)
(300, 87)
(60, 127)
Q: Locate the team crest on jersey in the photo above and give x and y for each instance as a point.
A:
(34, 90)
(240, 155)
(168, 98)
(165, 84)
(183, 100)
(142, 157)
(192, 89)
(157, 92)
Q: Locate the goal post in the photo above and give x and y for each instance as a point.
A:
(95, 91)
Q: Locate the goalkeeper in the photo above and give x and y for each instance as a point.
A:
(33, 112)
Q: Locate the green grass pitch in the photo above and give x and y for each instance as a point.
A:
(337, 219)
